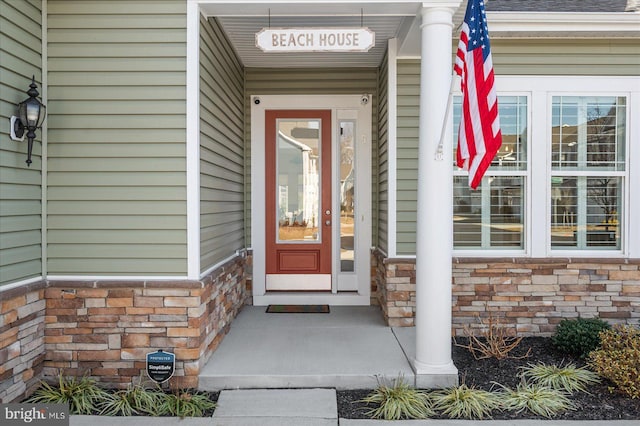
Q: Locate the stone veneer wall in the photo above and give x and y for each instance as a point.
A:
(530, 295)
(105, 328)
(22, 352)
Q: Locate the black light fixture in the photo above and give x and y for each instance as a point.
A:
(31, 114)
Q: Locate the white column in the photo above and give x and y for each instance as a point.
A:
(434, 240)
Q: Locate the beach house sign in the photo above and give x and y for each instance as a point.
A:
(315, 39)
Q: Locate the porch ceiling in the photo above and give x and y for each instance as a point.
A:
(241, 21)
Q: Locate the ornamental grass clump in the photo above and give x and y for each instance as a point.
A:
(81, 394)
(535, 398)
(398, 401)
(183, 403)
(568, 379)
(463, 402)
(135, 400)
(618, 359)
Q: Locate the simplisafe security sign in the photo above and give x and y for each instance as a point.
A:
(160, 365)
(315, 39)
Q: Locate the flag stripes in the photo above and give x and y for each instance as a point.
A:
(479, 136)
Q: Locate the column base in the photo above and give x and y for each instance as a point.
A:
(434, 376)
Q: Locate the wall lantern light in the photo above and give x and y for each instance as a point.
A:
(31, 114)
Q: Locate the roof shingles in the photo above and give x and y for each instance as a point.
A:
(556, 5)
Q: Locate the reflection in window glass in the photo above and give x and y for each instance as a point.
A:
(588, 133)
(298, 172)
(347, 193)
(585, 212)
(513, 123)
(493, 216)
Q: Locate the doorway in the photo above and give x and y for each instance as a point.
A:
(311, 199)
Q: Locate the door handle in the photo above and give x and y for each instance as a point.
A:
(327, 222)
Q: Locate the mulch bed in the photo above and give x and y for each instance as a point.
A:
(599, 404)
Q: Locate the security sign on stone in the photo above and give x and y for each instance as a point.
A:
(160, 365)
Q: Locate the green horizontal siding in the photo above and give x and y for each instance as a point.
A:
(383, 157)
(20, 186)
(566, 57)
(407, 155)
(221, 147)
(305, 81)
(116, 141)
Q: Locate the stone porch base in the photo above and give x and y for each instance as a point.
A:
(529, 295)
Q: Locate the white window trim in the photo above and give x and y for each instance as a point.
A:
(540, 91)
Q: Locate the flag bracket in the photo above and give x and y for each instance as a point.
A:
(439, 155)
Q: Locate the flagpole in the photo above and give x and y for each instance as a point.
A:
(447, 114)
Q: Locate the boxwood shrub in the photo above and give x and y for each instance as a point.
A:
(579, 336)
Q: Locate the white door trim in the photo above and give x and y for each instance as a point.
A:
(259, 104)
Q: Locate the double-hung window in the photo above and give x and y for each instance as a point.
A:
(493, 216)
(564, 183)
(588, 171)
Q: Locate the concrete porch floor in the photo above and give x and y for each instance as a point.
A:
(345, 349)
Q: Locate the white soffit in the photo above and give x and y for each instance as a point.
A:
(241, 32)
(242, 20)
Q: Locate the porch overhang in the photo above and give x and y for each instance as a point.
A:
(242, 19)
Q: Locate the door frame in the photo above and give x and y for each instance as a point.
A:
(343, 107)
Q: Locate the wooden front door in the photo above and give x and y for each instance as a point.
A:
(298, 200)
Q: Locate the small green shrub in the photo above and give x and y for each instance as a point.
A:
(82, 395)
(535, 398)
(463, 402)
(184, 404)
(569, 378)
(579, 336)
(618, 359)
(398, 401)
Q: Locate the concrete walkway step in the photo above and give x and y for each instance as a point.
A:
(303, 407)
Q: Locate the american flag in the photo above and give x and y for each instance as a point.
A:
(479, 136)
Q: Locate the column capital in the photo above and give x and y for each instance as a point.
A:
(438, 12)
(453, 5)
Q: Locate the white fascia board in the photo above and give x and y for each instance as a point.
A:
(538, 24)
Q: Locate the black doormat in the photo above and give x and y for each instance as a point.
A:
(298, 309)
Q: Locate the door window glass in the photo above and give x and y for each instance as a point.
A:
(298, 174)
(347, 195)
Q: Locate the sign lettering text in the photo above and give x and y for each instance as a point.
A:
(315, 39)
